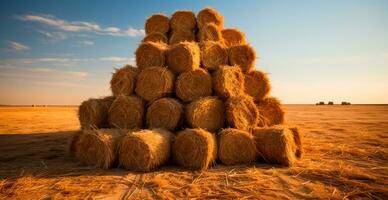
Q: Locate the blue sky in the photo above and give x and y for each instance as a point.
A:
(62, 52)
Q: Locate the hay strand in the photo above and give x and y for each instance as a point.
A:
(165, 113)
(154, 83)
(298, 138)
(194, 149)
(193, 84)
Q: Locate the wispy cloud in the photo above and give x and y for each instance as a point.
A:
(86, 42)
(78, 26)
(53, 36)
(114, 59)
(15, 71)
(17, 46)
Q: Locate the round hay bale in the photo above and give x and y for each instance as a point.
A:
(271, 110)
(207, 113)
(155, 37)
(145, 150)
(157, 23)
(257, 84)
(123, 80)
(183, 57)
(150, 54)
(165, 113)
(98, 147)
(209, 15)
(228, 81)
(210, 32)
(126, 112)
(275, 145)
(213, 55)
(298, 139)
(233, 36)
(181, 36)
(155, 82)
(236, 147)
(92, 114)
(242, 55)
(241, 112)
(183, 20)
(194, 84)
(194, 149)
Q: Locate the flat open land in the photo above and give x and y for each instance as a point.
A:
(346, 156)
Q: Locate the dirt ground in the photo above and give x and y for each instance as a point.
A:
(346, 156)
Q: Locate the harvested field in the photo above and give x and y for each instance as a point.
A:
(345, 156)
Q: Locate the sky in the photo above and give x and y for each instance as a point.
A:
(64, 51)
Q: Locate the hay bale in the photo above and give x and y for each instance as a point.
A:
(298, 139)
(243, 55)
(271, 110)
(210, 32)
(165, 113)
(92, 114)
(236, 147)
(157, 23)
(126, 112)
(213, 55)
(228, 81)
(123, 80)
(241, 112)
(257, 84)
(150, 54)
(145, 150)
(183, 20)
(275, 144)
(194, 84)
(233, 36)
(155, 37)
(155, 82)
(194, 149)
(209, 15)
(98, 147)
(183, 57)
(207, 113)
(181, 36)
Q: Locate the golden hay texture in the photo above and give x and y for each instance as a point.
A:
(271, 110)
(145, 150)
(228, 81)
(213, 55)
(157, 23)
(165, 113)
(236, 147)
(72, 143)
(275, 144)
(98, 147)
(151, 54)
(257, 84)
(181, 36)
(183, 20)
(183, 57)
(210, 32)
(207, 113)
(194, 84)
(194, 149)
(298, 138)
(126, 112)
(92, 113)
(154, 83)
(233, 36)
(155, 37)
(243, 55)
(209, 15)
(241, 112)
(123, 80)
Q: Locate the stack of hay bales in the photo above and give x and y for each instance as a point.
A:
(194, 99)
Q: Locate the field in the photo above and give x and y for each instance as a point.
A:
(346, 156)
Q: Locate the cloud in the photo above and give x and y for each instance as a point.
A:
(53, 36)
(40, 72)
(17, 46)
(86, 42)
(114, 59)
(78, 26)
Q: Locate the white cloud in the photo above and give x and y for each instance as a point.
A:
(78, 26)
(53, 36)
(86, 42)
(114, 59)
(17, 46)
(15, 71)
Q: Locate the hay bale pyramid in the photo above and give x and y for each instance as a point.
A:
(194, 99)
